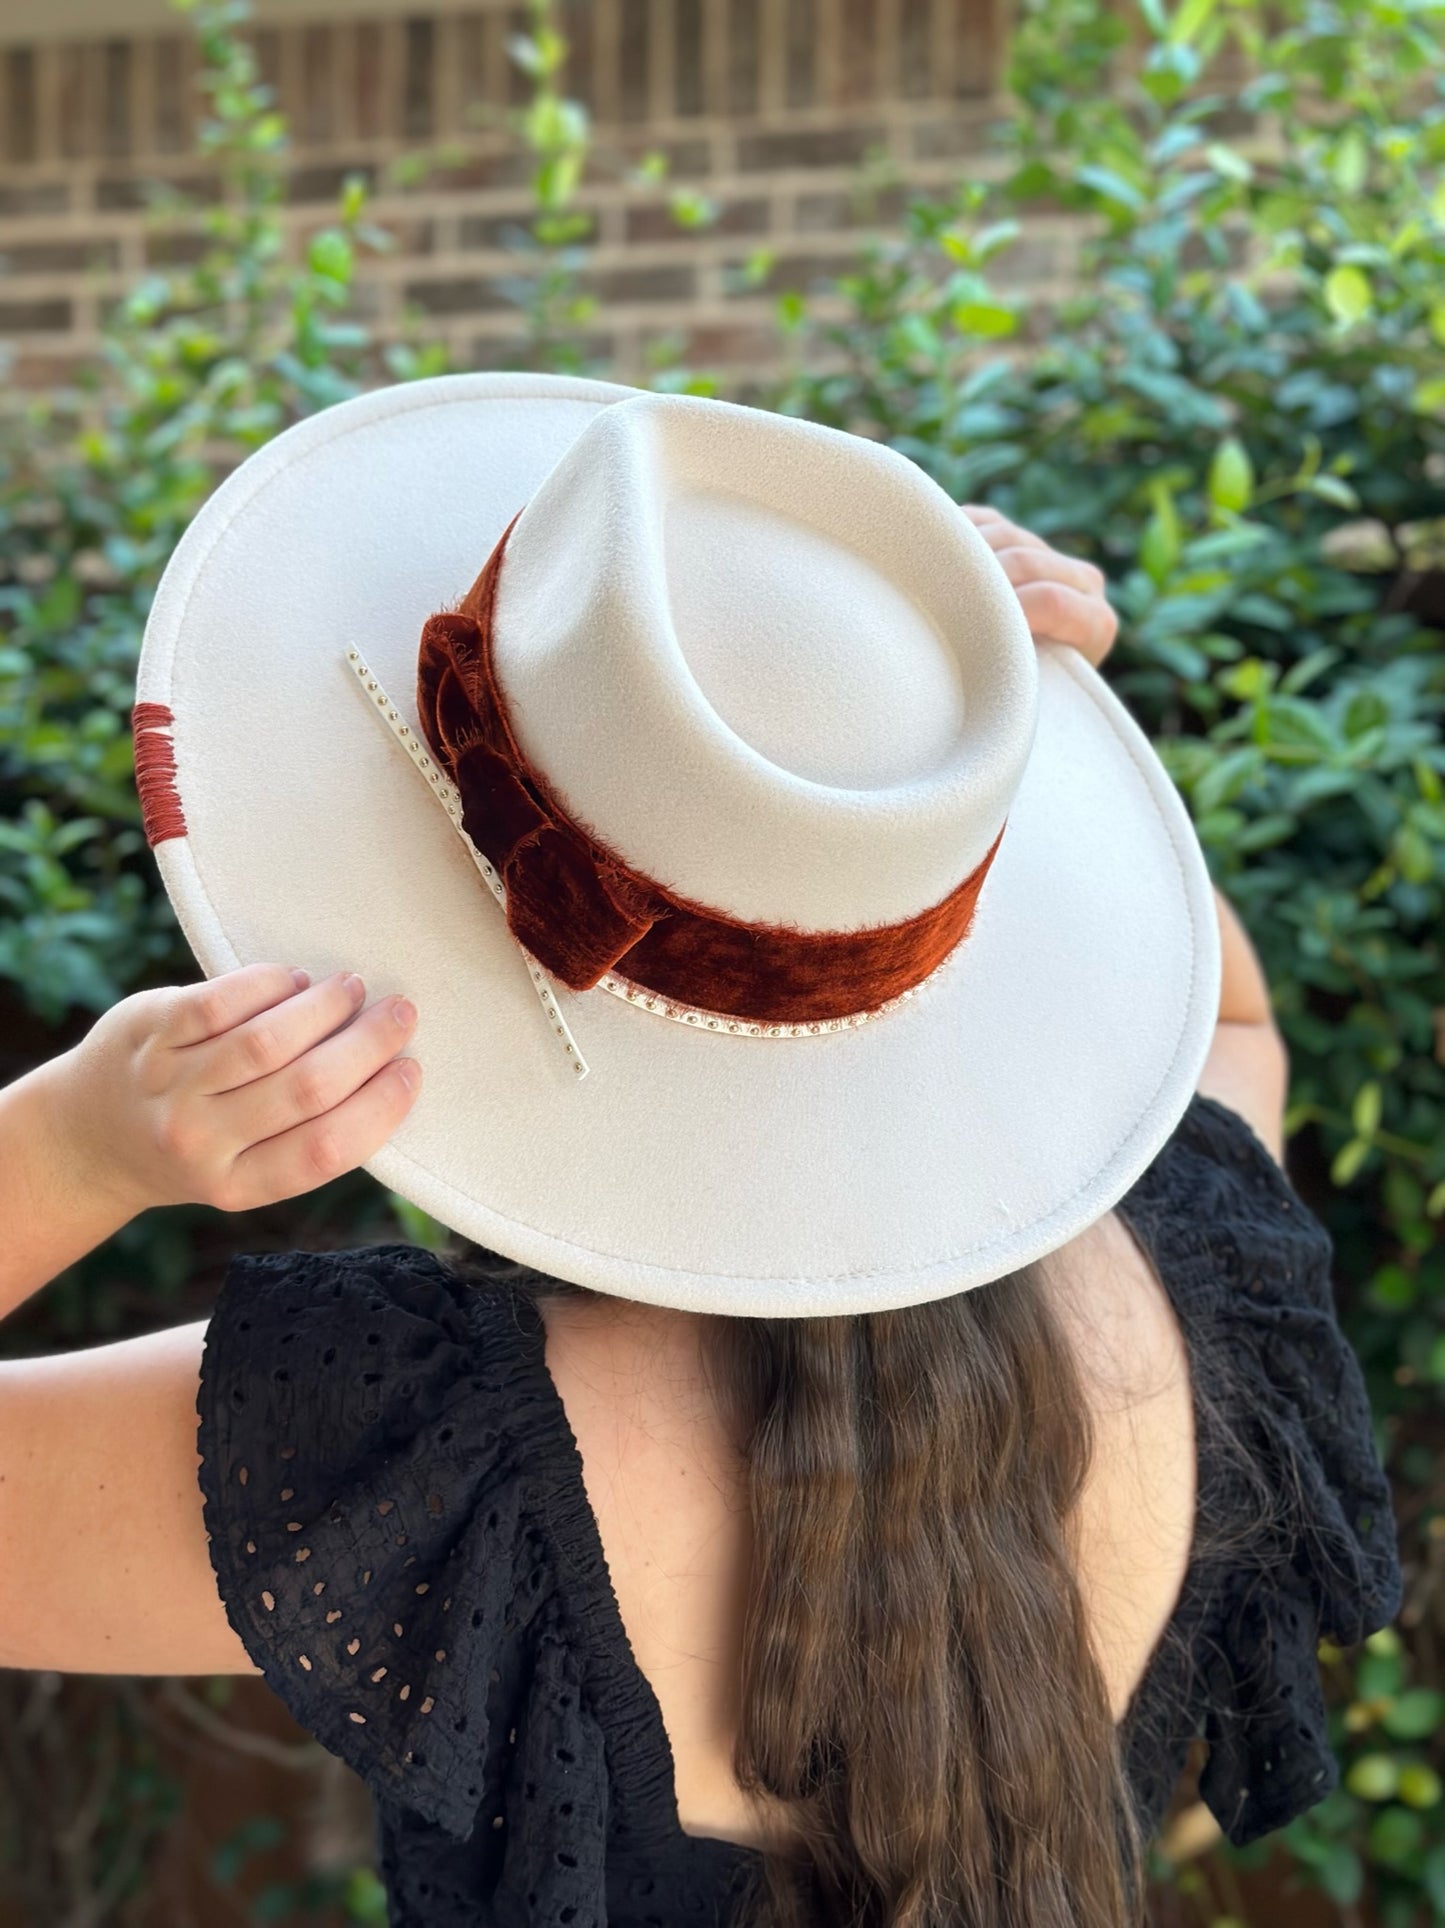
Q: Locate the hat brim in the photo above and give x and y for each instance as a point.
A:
(983, 1124)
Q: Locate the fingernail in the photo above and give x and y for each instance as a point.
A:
(410, 1072)
(300, 978)
(353, 986)
(404, 1011)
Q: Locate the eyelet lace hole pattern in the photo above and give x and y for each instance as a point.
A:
(453, 1637)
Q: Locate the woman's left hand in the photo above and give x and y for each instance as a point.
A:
(252, 1087)
(1062, 596)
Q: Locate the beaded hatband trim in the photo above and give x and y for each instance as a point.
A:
(637, 995)
(450, 799)
(646, 1000)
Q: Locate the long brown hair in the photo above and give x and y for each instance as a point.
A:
(918, 1680)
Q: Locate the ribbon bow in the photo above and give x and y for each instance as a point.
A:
(573, 906)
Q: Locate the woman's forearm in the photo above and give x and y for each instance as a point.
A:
(52, 1212)
(1244, 990)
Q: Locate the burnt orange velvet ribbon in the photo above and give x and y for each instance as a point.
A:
(582, 911)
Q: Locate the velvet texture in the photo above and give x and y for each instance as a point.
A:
(582, 911)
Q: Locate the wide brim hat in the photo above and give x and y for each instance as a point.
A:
(770, 667)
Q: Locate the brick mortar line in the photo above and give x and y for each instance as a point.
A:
(109, 223)
(458, 263)
(892, 112)
(596, 196)
(771, 118)
(654, 317)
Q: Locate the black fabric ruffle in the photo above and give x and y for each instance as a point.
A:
(1313, 1547)
(392, 1491)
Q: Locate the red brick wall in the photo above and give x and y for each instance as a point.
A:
(767, 106)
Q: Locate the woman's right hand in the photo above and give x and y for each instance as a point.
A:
(253, 1087)
(1062, 596)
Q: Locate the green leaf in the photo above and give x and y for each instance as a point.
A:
(1159, 550)
(330, 254)
(1187, 662)
(1373, 1777)
(1231, 476)
(998, 234)
(1341, 1874)
(1225, 161)
(1112, 186)
(353, 196)
(691, 210)
(1301, 674)
(524, 52)
(1348, 1160)
(1224, 781)
(1330, 488)
(1415, 1715)
(1347, 294)
(983, 318)
(1393, 1288)
(1365, 1112)
(1414, 854)
(1351, 162)
(1190, 18)
(1395, 1834)
(791, 309)
(366, 1903)
(1265, 832)
(1267, 611)
(1219, 828)
(1249, 680)
(1379, 1675)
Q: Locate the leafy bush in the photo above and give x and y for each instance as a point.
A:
(1239, 416)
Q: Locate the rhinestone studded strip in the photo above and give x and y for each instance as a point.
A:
(646, 1000)
(638, 995)
(450, 799)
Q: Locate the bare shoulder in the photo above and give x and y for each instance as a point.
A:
(1248, 1070)
(1134, 1527)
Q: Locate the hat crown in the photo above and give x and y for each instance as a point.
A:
(772, 665)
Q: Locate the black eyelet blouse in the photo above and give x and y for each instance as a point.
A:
(403, 1543)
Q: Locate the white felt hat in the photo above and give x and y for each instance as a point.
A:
(773, 667)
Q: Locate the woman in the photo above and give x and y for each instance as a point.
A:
(885, 1398)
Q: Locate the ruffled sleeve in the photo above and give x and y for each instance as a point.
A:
(1296, 1537)
(359, 1466)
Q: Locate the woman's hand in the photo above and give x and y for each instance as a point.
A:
(234, 1093)
(1062, 596)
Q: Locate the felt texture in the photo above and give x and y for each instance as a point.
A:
(582, 911)
(772, 666)
(988, 1120)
